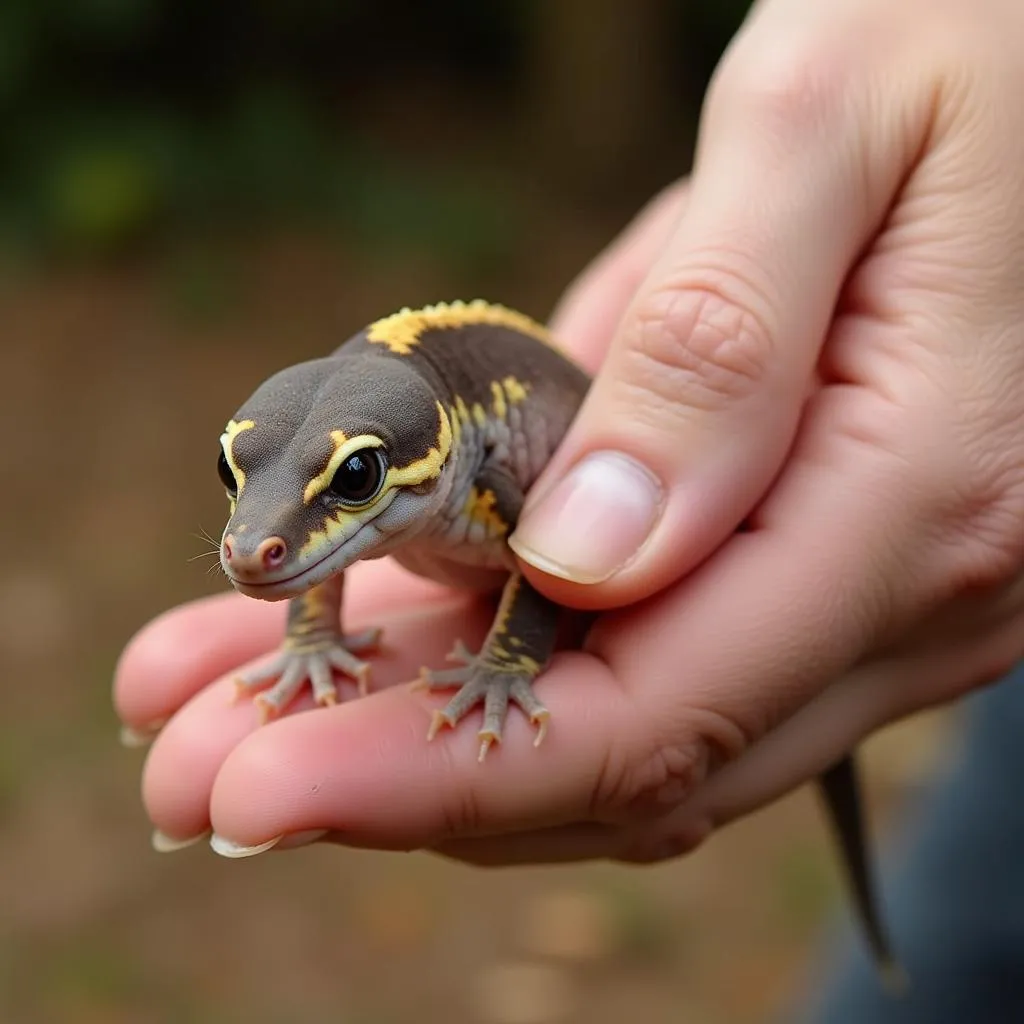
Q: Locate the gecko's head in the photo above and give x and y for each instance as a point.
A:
(329, 462)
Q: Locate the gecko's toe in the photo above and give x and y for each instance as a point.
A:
(438, 721)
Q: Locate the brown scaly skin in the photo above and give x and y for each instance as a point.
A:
(419, 438)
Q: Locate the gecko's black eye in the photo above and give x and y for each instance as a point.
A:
(359, 477)
(227, 477)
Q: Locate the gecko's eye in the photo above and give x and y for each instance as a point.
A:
(227, 476)
(359, 477)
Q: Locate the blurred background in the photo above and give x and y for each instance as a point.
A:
(192, 195)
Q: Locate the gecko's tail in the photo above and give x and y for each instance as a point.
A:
(841, 790)
(894, 977)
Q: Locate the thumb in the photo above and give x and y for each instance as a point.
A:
(699, 398)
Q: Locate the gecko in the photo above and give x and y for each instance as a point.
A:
(418, 438)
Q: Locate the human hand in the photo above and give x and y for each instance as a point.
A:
(826, 343)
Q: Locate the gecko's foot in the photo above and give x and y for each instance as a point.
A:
(295, 666)
(481, 681)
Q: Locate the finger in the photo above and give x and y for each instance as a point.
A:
(588, 314)
(188, 754)
(178, 654)
(366, 770)
(699, 398)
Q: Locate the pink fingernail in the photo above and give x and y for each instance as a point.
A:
(593, 522)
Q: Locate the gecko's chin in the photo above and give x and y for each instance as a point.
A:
(271, 591)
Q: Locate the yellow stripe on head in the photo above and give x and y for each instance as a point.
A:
(429, 467)
(403, 330)
(227, 441)
(414, 473)
(344, 446)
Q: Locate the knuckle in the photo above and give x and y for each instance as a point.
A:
(699, 345)
(658, 763)
(652, 784)
(789, 87)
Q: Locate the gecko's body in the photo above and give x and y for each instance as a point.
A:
(418, 438)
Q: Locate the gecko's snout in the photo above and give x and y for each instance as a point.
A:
(266, 556)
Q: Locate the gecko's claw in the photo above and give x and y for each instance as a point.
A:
(460, 654)
(438, 721)
(487, 737)
(541, 720)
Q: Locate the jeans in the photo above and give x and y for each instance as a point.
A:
(954, 900)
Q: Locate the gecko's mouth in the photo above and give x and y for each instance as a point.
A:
(298, 583)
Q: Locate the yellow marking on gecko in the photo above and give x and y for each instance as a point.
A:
(343, 522)
(403, 330)
(340, 525)
(515, 389)
(428, 467)
(344, 446)
(313, 606)
(500, 405)
(507, 662)
(227, 441)
(508, 596)
(481, 507)
(507, 392)
(504, 394)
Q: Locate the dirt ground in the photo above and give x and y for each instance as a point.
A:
(114, 389)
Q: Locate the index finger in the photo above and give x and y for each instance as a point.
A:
(182, 651)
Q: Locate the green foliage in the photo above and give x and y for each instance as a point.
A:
(128, 119)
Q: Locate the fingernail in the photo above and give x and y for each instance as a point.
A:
(132, 737)
(286, 841)
(593, 522)
(163, 843)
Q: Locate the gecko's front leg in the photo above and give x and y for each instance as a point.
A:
(314, 647)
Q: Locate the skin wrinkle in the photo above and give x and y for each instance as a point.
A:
(792, 91)
(696, 349)
(918, 288)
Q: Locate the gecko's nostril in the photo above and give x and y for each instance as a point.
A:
(272, 552)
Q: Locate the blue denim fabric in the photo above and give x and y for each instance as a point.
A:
(955, 898)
